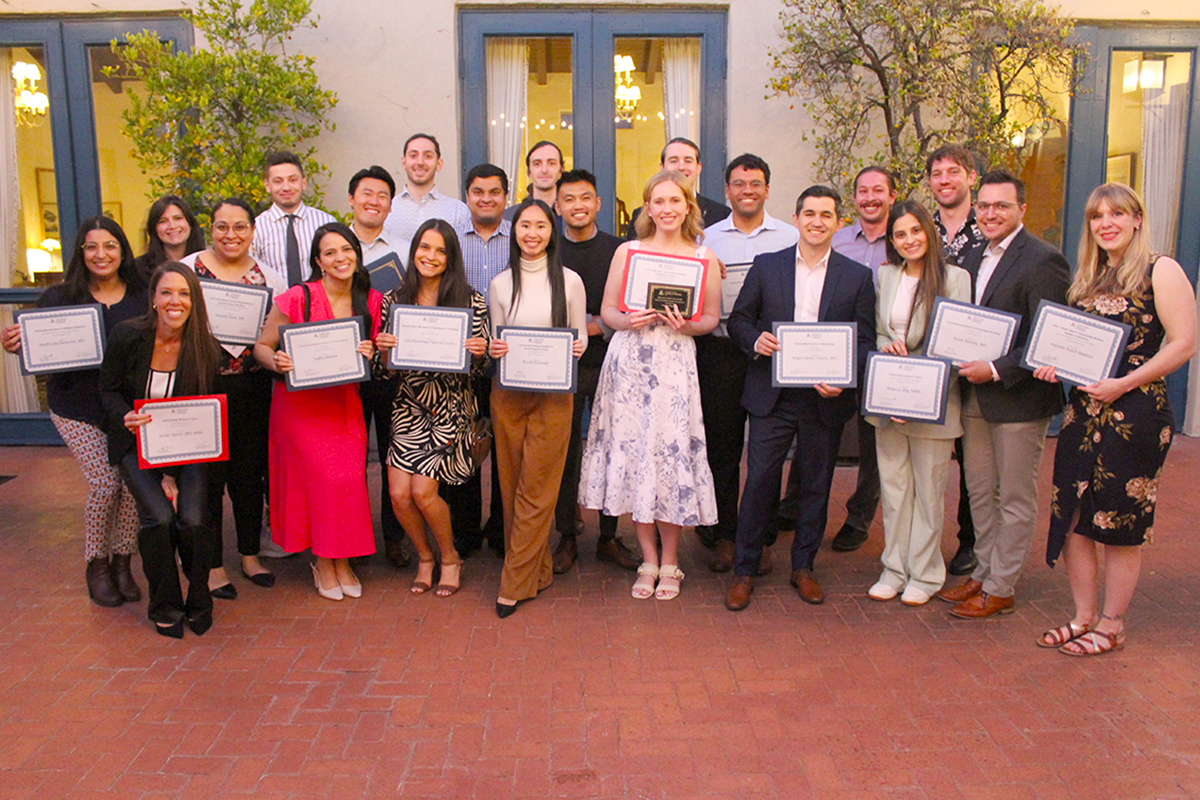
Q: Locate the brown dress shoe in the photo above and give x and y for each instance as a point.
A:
(722, 558)
(983, 605)
(807, 587)
(614, 551)
(765, 562)
(565, 554)
(397, 553)
(738, 596)
(962, 592)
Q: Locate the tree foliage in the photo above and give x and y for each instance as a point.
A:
(202, 121)
(887, 83)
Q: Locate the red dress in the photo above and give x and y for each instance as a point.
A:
(318, 479)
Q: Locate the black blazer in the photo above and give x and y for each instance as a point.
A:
(769, 295)
(1029, 271)
(123, 377)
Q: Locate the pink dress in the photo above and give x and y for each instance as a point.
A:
(318, 480)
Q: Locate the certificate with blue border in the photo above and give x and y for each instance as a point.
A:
(1083, 348)
(913, 388)
(538, 359)
(324, 353)
(183, 430)
(815, 352)
(965, 332)
(731, 286)
(429, 338)
(236, 311)
(61, 339)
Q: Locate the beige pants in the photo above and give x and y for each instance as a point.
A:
(532, 432)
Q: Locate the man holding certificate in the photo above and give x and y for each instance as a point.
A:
(810, 283)
(1005, 410)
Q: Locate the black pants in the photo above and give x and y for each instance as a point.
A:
(377, 401)
(721, 369)
(568, 493)
(244, 475)
(966, 527)
(168, 530)
(466, 499)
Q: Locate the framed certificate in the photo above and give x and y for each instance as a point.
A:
(657, 280)
(815, 352)
(236, 311)
(731, 286)
(907, 387)
(965, 332)
(386, 273)
(1083, 348)
(61, 339)
(183, 430)
(428, 338)
(323, 353)
(538, 359)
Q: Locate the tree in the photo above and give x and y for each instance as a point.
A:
(202, 121)
(889, 82)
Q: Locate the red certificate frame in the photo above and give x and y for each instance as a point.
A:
(629, 256)
(203, 452)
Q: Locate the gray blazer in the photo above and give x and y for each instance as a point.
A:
(958, 287)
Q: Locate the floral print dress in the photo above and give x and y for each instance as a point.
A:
(1110, 455)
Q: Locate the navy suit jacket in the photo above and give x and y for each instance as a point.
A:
(769, 296)
(1029, 271)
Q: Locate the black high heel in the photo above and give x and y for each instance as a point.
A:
(264, 579)
(200, 623)
(504, 611)
(174, 631)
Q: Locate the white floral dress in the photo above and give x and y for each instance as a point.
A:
(646, 453)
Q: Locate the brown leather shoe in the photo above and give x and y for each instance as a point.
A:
(722, 558)
(807, 587)
(765, 562)
(962, 592)
(738, 596)
(983, 605)
(565, 554)
(614, 551)
(397, 553)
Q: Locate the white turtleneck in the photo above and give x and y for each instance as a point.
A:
(532, 309)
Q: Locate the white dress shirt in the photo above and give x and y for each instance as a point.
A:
(991, 258)
(810, 281)
(270, 237)
(408, 212)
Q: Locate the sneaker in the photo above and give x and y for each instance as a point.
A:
(881, 591)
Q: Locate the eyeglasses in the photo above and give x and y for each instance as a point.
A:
(91, 248)
(240, 228)
(1002, 208)
(757, 186)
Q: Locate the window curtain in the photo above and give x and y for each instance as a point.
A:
(507, 82)
(20, 392)
(1164, 128)
(681, 87)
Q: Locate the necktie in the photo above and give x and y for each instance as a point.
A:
(293, 252)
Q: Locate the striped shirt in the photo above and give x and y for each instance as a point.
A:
(408, 212)
(269, 248)
(484, 260)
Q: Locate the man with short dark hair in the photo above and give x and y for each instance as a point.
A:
(588, 251)
(683, 155)
(283, 233)
(721, 367)
(420, 200)
(544, 165)
(1005, 410)
(807, 283)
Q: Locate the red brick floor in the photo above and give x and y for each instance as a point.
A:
(586, 692)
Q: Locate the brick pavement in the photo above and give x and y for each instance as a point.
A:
(586, 692)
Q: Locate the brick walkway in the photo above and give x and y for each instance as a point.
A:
(586, 692)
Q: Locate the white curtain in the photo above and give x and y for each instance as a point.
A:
(1164, 128)
(20, 392)
(681, 87)
(507, 82)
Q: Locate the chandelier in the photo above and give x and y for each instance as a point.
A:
(627, 96)
(31, 104)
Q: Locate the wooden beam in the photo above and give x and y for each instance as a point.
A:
(654, 54)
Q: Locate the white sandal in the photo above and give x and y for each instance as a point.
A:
(668, 590)
(643, 587)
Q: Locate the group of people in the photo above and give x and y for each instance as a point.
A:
(670, 393)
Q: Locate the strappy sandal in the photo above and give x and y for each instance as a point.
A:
(419, 586)
(1094, 643)
(669, 578)
(643, 587)
(1057, 637)
(447, 589)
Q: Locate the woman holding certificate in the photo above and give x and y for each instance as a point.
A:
(171, 233)
(532, 428)
(247, 388)
(646, 451)
(318, 440)
(1116, 432)
(101, 270)
(167, 352)
(434, 412)
(914, 457)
